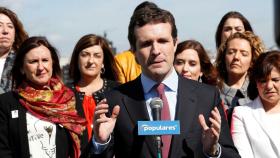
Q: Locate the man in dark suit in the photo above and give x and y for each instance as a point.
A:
(153, 38)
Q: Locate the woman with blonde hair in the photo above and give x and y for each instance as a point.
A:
(234, 63)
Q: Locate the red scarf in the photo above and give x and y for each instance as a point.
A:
(56, 104)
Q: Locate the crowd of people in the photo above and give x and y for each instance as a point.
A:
(226, 108)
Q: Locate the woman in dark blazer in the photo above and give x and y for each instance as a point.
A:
(38, 118)
(93, 71)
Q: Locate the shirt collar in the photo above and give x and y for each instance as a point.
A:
(171, 82)
(232, 91)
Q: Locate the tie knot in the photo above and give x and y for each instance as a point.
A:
(160, 88)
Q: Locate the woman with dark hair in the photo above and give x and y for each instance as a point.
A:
(93, 70)
(38, 118)
(230, 23)
(191, 61)
(255, 126)
(234, 63)
(12, 34)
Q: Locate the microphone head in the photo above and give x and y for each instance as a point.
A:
(156, 103)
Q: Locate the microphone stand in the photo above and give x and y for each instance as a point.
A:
(156, 106)
(158, 143)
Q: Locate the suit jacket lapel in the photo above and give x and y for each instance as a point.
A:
(136, 107)
(259, 114)
(135, 102)
(185, 112)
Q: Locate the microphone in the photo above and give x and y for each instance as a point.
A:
(156, 106)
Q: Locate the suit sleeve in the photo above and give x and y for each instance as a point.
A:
(225, 140)
(105, 150)
(239, 135)
(5, 150)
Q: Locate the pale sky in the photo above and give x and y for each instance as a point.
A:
(64, 22)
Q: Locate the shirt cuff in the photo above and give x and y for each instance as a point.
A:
(218, 154)
(98, 148)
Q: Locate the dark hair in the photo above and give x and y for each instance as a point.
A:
(209, 73)
(145, 4)
(231, 14)
(109, 62)
(149, 14)
(262, 69)
(20, 33)
(27, 45)
(257, 48)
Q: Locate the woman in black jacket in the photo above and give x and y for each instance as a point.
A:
(93, 71)
(38, 118)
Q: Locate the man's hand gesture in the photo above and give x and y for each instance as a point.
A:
(103, 125)
(210, 135)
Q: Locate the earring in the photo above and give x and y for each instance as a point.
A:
(199, 79)
(102, 70)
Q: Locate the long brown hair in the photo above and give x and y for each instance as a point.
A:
(231, 14)
(109, 62)
(209, 72)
